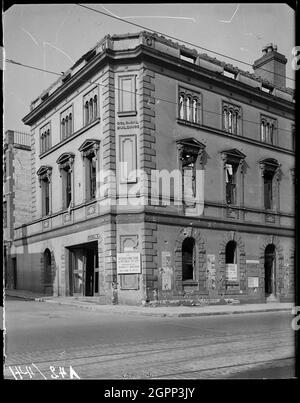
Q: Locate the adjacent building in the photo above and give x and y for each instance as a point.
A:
(16, 196)
(159, 173)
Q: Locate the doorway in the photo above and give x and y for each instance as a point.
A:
(270, 261)
(84, 270)
(188, 259)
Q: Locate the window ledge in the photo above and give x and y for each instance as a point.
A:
(190, 282)
(129, 113)
(188, 123)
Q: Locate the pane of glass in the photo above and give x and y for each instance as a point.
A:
(126, 95)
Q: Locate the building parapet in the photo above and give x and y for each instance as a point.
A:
(131, 41)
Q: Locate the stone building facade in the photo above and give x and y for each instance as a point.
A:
(16, 196)
(137, 108)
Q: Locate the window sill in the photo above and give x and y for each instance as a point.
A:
(129, 113)
(190, 282)
(188, 123)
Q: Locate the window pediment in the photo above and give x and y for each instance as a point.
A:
(271, 162)
(43, 170)
(191, 142)
(89, 146)
(65, 160)
(233, 154)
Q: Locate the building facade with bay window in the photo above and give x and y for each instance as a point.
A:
(159, 173)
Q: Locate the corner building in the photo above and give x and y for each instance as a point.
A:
(153, 104)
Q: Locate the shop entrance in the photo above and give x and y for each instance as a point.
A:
(270, 270)
(84, 270)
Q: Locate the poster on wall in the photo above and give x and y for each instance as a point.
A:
(231, 272)
(166, 278)
(211, 271)
(252, 282)
(166, 271)
(129, 263)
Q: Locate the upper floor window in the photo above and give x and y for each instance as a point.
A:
(66, 122)
(233, 169)
(44, 174)
(65, 162)
(189, 106)
(271, 175)
(191, 158)
(91, 106)
(268, 129)
(127, 95)
(89, 151)
(232, 118)
(45, 138)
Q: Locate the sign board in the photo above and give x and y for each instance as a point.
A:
(129, 263)
(231, 272)
(165, 259)
(252, 282)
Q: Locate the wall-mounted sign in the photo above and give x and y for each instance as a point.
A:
(165, 259)
(127, 124)
(129, 263)
(252, 282)
(94, 236)
(231, 272)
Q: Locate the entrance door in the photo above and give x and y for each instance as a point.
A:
(77, 271)
(84, 280)
(270, 270)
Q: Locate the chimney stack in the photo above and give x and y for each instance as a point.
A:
(271, 66)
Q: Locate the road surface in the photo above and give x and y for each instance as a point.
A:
(45, 337)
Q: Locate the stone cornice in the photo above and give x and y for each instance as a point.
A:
(159, 58)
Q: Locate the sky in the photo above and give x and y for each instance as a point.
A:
(54, 37)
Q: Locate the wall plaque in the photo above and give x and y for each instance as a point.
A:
(231, 272)
(129, 263)
(252, 282)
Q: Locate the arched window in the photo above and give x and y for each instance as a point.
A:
(230, 253)
(91, 117)
(181, 107)
(48, 287)
(195, 110)
(95, 107)
(230, 115)
(86, 112)
(188, 259)
(63, 129)
(70, 124)
(234, 125)
(67, 126)
(263, 131)
(225, 117)
(189, 109)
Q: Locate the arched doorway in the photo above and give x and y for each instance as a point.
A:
(269, 264)
(48, 287)
(188, 259)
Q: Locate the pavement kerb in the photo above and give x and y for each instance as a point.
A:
(128, 311)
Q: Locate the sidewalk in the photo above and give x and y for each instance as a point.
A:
(163, 311)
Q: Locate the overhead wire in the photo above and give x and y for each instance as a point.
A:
(180, 40)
